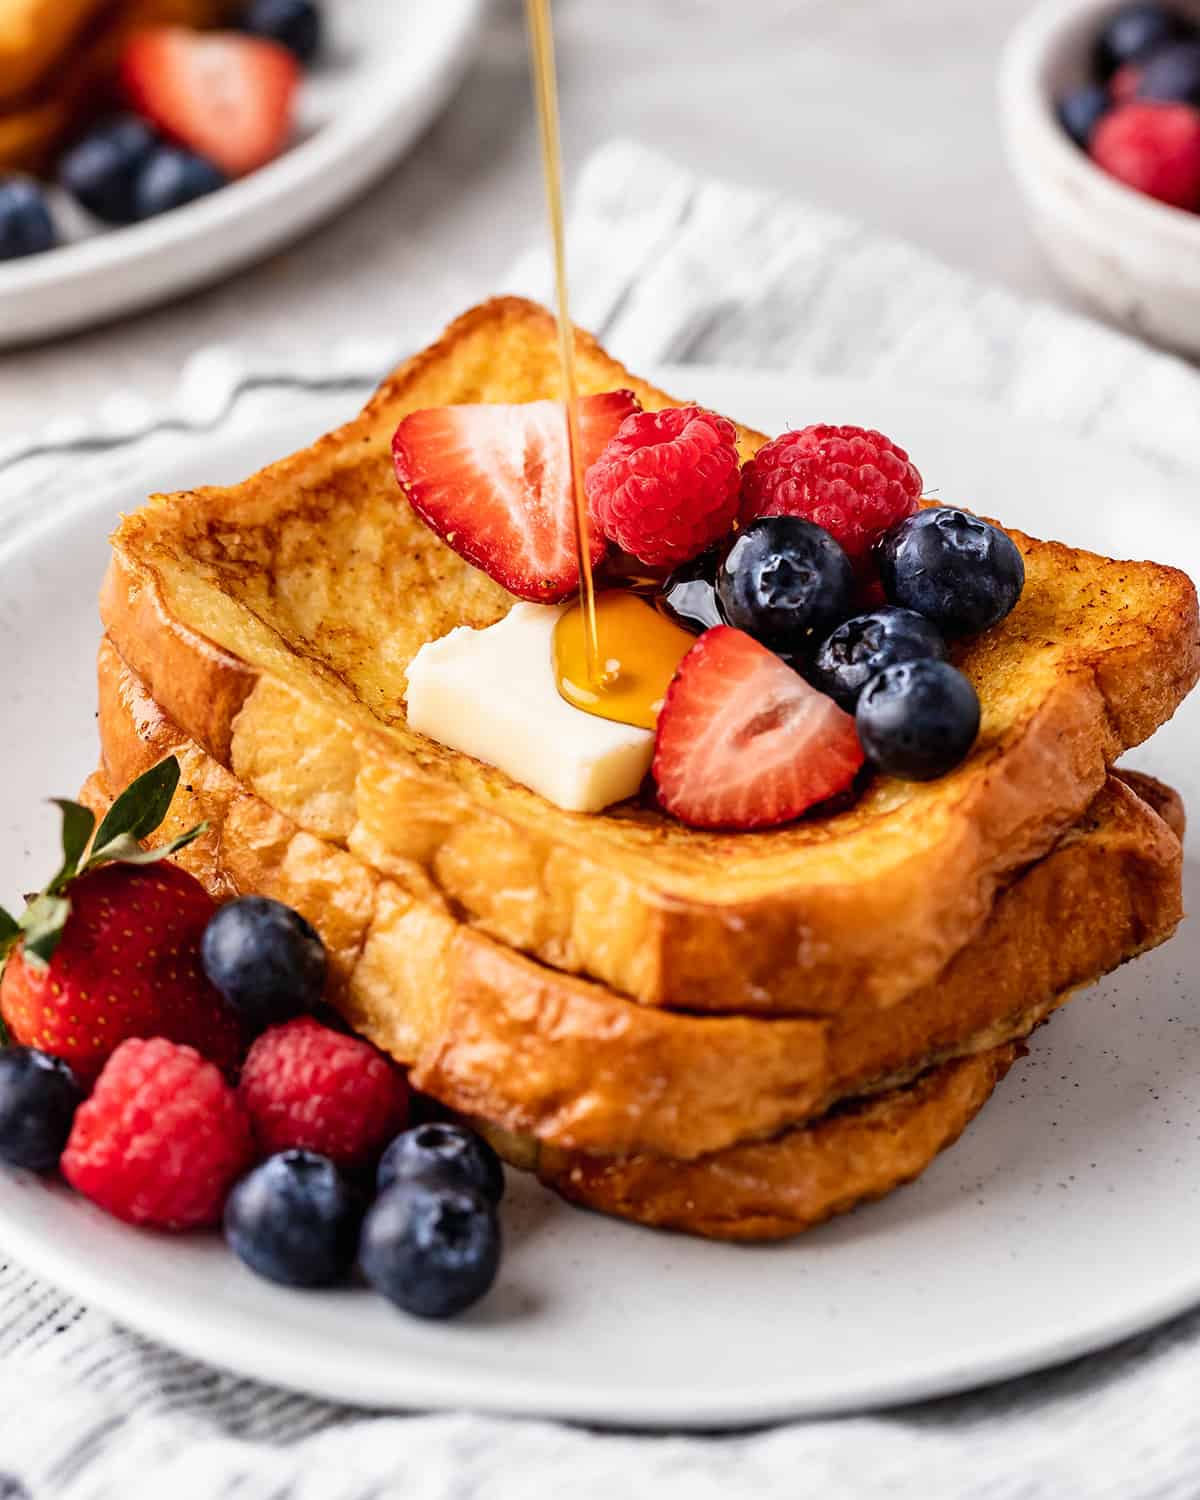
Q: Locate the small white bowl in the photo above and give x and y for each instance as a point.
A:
(1136, 259)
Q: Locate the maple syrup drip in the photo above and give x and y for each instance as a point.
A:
(545, 84)
(640, 650)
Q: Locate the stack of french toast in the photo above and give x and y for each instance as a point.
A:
(58, 60)
(732, 1034)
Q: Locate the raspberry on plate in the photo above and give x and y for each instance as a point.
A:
(1153, 148)
(666, 486)
(851, 480)
(307, 1086)
(162, 1139)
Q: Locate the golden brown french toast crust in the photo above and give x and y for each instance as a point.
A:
(275, 620)
(544, 1054)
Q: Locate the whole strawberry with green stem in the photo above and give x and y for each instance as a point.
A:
(110, 949)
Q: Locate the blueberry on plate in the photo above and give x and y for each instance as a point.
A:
(958, 571)
(26, 227)
(446, 1153)
(430, 1248)
(1080, 111)
(847, 660)
(39, 1095)
(785, 582)
(689, 596)
(171, 177)
(918, 719)
(266, 960)
(1172, 76)
(294, 24)
(1136, 31)
(294, 1219)
(102, 169)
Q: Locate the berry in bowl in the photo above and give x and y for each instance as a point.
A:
(1101, 106)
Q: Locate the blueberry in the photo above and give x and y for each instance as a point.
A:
(450, 1154)
(26, 227)
(38, 1098)
(295, 24)
(1172, 76)
(431, 1249)
(689, 596)
(294, 1219)
(786, 582)
(169, 178)
(102, 169)
(918, 719)
(1080, 111)
(1134, 32)
(266, 960)
(960, 572)
(863, 646)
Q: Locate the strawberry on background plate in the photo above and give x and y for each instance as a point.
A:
(745, 742)
(111, 948)
(227, 96)
(494, 482)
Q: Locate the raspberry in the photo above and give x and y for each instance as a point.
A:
(307, 1086)
(854, 482)
(666, 486)
(161, 1140)
(1154, 148)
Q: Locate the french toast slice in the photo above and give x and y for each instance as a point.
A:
(274, 622)
(34, 34)
(547, 1055)
(79, 85)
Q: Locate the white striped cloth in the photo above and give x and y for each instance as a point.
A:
(665, 268)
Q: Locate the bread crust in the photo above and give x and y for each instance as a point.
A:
(548, 1055)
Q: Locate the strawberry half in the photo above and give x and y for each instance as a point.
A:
(745, 742)
(494, 482)
(225, 95)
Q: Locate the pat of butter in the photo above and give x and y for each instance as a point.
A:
(491, 694)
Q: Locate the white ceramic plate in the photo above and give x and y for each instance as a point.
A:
(1067, 1218)
(388, 68)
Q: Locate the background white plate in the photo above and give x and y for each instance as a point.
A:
(1068, 1217)
(388, 68)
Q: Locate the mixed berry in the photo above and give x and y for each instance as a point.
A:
(189, 1085)
(1138, 113)
(204, 108)
(826, 599)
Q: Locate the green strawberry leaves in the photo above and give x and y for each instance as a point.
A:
(134, 816)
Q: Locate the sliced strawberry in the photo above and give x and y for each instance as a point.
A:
(494, 482)
(225, 95)
(745, 742)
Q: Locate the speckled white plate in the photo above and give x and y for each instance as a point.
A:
(1068, 1216)
(388, 67)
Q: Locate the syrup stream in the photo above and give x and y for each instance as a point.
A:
(541, 45)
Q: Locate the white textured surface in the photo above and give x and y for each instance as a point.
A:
(881, 109)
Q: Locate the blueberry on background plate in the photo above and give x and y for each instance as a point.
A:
(431, 1249)
(39, 1095)
(1136, 31)
(859, 648)
(1172, 76)
(958, 571)
(446, 1153)
(295, 1220)
(785, 582)
(102, 168)
(26, 227)
(295, 24)
(171, 177)
(918, 719)
(267, 961)
(1080, 111)
(689, 596)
